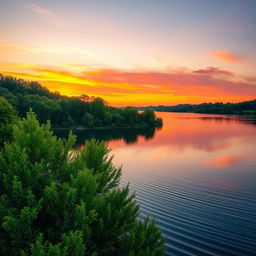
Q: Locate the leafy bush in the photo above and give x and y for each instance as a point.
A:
(56, 201)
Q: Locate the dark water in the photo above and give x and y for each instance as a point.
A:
(196, 176)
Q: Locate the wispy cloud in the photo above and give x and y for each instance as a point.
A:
(213, 71)
(49, 15)
(227, 56)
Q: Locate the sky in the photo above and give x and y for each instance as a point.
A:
(133, 52)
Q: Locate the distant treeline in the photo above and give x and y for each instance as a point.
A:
(246, 107)
(65, 111)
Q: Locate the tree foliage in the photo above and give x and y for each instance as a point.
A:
(8, 117)
(55, 201)
(67, 111)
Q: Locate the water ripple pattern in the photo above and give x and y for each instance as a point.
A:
(197, 218)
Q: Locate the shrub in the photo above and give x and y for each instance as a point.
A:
(57, 201)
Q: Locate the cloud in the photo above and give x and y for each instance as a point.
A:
(213, 71)
(146, 87)
(226, 56)
(179, 83)
(47, 14)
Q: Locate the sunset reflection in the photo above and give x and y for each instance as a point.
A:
(200, 132)
(224, 161)
(200, 140)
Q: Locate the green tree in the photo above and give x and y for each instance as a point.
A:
(69, 122)
(88, 120)
(97, 108)
(118, 118)
(131, 115)
(55, 201)
(108, 117)
(148, 116)
(7, 118)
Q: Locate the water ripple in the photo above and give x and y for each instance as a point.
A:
(197, 217)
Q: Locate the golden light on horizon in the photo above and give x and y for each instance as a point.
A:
(125, 93)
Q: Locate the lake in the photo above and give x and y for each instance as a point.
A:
(196, 176)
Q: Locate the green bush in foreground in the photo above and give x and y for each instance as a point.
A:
(55, 201)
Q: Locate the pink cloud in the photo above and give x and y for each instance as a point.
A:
(227, 56)
(178, 83)
(47, 14)
(213, 71)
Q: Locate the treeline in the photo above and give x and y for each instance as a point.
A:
(65, 111)
(246, 107)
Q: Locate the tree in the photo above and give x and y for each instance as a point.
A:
(131, 115)
(88, 119)
(118, 118)
(55, 201)
(148, 116)
(7, 118)
(97, 108)
(108, 117)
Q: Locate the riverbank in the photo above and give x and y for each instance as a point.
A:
(82, 128)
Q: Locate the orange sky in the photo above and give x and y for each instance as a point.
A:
(140, 88)
(133, 53)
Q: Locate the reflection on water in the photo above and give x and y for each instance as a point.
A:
(128, 135)
(196, 176)
(224, 161)
(222, 118)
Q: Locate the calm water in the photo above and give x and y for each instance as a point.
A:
(196, 176)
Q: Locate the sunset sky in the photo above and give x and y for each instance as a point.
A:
(133, 52)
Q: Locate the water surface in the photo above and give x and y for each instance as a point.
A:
(197, 177)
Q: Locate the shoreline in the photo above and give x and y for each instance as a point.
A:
(81, 128)
(234, 114)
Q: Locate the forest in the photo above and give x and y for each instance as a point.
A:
(63, 111)
(242, 108)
